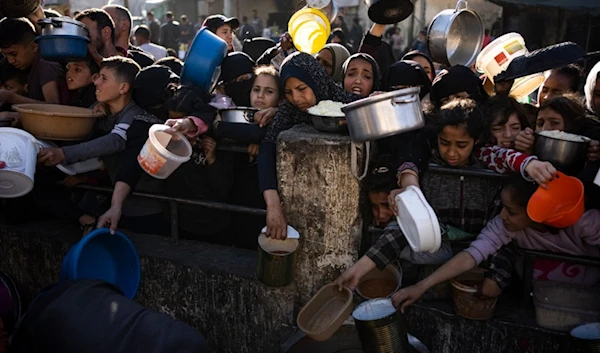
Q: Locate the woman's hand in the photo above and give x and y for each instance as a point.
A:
(276, 223)
(184, 126)
(594, 151)
(265, 116)
(524, 141)
(541, 172)
(407, 296)
(110, 218)
(351, 277)
(210, 149)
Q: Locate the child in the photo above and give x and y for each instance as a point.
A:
(14, 80)
(113, 88)
(514, 225)
(45, 78)
(80, 78)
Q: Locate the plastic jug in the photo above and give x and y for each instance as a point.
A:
(309, 29)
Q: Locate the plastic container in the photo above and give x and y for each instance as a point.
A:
(309, 29)
(202, 65)
(380, 283)
(564, 306)
(56, 122)
(466, 304)
(18, 158)
(163, 152)
(276, 263)
(560, 205)
(75, 168)
(325, 312)
(587, 337)
(381, 327)
(418, 221)
(496, 57)
(104, 256)
(62, 47)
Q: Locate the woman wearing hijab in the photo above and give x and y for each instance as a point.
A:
(332, 57)
(237, 77)
(404, 74)
(424, 60)
(361, 74)
(305, 83)
(592, 91)
(456, 82)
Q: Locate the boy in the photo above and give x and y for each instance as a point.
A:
(13, 80)
(114, 89)
(45, 78)
(80, 78)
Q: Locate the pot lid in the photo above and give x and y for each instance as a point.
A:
(408, 92)
(390, 11)
(59, 20)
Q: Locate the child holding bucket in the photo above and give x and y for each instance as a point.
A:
(513, 225)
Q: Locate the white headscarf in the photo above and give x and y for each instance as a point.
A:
(590, 87)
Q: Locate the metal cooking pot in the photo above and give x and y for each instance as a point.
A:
(384, 115)
(241, 115)
(276, 263)
(455, 37)
(388, 12)
(63, 26)
(329, 124)
(567, 156)
(328, 7)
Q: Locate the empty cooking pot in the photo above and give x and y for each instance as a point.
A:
(455, 37)
(389, 11)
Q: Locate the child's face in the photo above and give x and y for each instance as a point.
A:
(506, 134)
(21, 56)
(359, 77)
(382, 213)
(15, 87)
(548, 120)
(78, 75)
(513, 216)
(455, 145)
(299, 94)
(224, 32)
(265, 93)
(108, 86)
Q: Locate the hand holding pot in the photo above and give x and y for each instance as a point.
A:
(265, 116)
(110, 218)
(51, 157)
(352, 276)
(540, 172)
(525, 140)
(407, 296)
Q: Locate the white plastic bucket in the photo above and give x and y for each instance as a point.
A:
(18, 157)
(163, 152)
(496, 57)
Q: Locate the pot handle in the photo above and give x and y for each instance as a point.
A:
(353, 160)
(459, 3)
(404, 100)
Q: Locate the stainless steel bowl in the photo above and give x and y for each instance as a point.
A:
(566, 156)
(63, 26)
(240, 115)
(384, 115)
(329, 123)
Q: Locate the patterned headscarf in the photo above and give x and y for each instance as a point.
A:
(301, 65)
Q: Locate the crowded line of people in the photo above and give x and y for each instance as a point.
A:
(465, 128)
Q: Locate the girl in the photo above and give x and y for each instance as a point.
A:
(563, 113)
(559, 81)
(332, 57)
(305, 83)
(592, 90)
(514, 225)
(404, 74)
(456, 82)
(506, 118)
(424, 60)
(361, 75)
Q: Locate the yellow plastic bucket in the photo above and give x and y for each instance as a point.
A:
(310, 30)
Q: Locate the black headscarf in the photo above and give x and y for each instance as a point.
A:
(413, 54)
(374, 65)
(407, 73)
(255, 47)
(454, 80)
(152, 89)
(234, 65)
(306, 68)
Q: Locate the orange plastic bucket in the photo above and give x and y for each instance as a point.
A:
(309, 29)
(559, 206)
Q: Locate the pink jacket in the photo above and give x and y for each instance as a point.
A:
(582, 238)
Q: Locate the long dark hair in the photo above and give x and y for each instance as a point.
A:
(570, 107)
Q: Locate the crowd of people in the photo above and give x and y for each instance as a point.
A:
(138, 86)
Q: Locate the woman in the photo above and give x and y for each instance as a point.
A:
(456, 82)
(592, 91)
(423, 60)
(404, 74)
(332, 57)
(361, 75)
(306, 83)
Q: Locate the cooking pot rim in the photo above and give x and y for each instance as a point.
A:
(49, 21)
(410, 91)
(587, 139)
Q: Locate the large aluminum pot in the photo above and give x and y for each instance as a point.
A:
(328, 7)
(241, 115)
(455, 37)
(63, 26)
(384, 115)
(567, 156)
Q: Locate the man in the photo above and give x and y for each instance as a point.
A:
(247, 30)
(257, 23)
(142, 38)
(169, 33)
(122, 20)
(187, 30)
(102, 34)
(154, 26)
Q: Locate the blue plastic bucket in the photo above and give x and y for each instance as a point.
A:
(101, 255)
(202, 64)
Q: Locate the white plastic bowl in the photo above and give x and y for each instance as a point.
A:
(418, 221)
